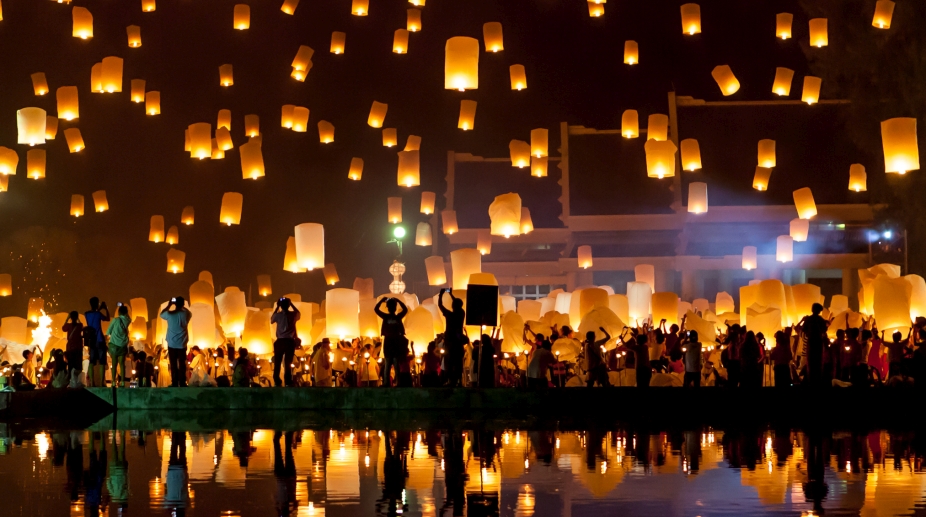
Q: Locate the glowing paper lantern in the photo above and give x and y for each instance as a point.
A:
(805, 295)
(325, 132)
(539, 166)
(137, 90)
(230, 212)
(252, 160)
(342, 313)
(645, 273)
(303, 59)
(819, 35)
(631, 52)
(413, 143)
(420, 328)
(799, 229)
(803, 201)
(134, 35)
(811, 92)
(518, 77)
(156, 229)
(82, 23)
(691, 154)
(901, 151)
(725, 80)
(630, 124)
(300, 119)
(96, 78)
(394, 209)
(750, 258)
(783, 23)
(242, 18)
(665, 307)
(766, 320)
(767, 153)
(148, 6)
(153, 103)
(35, 163)
(290, 262)
(34, 309)
(484, 241)
(691, 19)
(360, 7)
(437, 275)
(223, 119)
(30, 125)
(527, 224)
(74, 139)
(917, 295)
(585, 257)
(188, 216)
(449, 222)
(891, 303)
(310, 245)
(223, 139)
(464, 262)
(505, 215)
(657, 127)
(331, 274)
(77, 205)
(4, 183)
(67, 103)
(540, 142)
(200, 140)
(724, 303)
(173, 236)
(202, 325)
(356, 169)
(377, 114)
(217, 152)
(100, 203)
(467, 118)
(784, 251)
(9, 160)
(338, 40)
(761, 178)
(289, 6)
(639, 297)
(51, 127)
(39, 83)
(492, 36)
(783, 79)
(409, 171)
(660, 158)
(595, 9)
(6, 284)
(884, 11)
(412, 20)
(461, 64)
(14, 329)
(233, 311)
(205, 276)
(390, 139)
(423, 234)
(286, 116)
(400, 41)
(858, 178)
(226, 75)
(697, 197)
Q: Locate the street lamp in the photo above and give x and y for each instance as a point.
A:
(397, 269)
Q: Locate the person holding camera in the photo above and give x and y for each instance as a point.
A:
(177, 337)
(395, 344)
(454, 337)
(118, 333)
(95, 341)
(284, 348)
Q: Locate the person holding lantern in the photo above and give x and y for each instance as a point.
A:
(454, 338)
(284, 348)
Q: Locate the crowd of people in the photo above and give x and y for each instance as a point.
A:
(807, 353)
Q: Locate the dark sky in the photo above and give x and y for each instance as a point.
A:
(574, 71)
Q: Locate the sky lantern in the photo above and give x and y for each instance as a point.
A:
(134, 34)
(782, 84)
(725, 80)
(691, 154)
(697, 197)
(310, 245)
(252, 160)
(461, 64)
(631, 52)
(6, 284)
(639, 300)
(100, 204)
(664, 306)
(217, 152)
(394, 210)
(242, 18)
(540, 142)
(338, 40)
(325, 132)
(803, 201)
(153, 103)
(518, 77)
(200, 140)
(427, 203)
(784, 248)
(799, 229)
(223, 119)
(409, 174)
(356, 169)
(290, 262)
(884, 11)
(303, 58)
(342, 312)
(767, 153)
(289, 6)
(761, 178)
(413, 143)
(437, 274)
(377, 114)
(251, 125)
(691, 19)
(51, 127)
(96, 78)
(527, 224)
(74, 139)
(492, 36)
(112, 74)
(300, 119)
(9, 160)
(390, 137)
(467, 120)
(657, 127)
(484, 241)
(226, 75)
(423, 234)
(891, 303)
(858, 178)
(230, 212)
(39, 83)
(400, 41)
(811, 92)
(630, 124)
(449, 221)
(660, 158)
(201, 326)
(539, 166)
(77, 205)
(585, 257)
(750, 258)
(360, 7)
(4, 183)
(233, 310)
(724, 303)
(783, 25)
(331, 274)
(819, 34)
(82, 23)
(173, 236)
(67, 102)
(35, 164)
(505, 214)
(595, 9)
(223, 139)
(463, 263)
(413, 20)
(175, 260)
(30, 126)
(137, 90)
(156, 229)
(520, 152)
(901, 151)
(188, 216)
(148, 6)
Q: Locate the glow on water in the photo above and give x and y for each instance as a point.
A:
(365, 472)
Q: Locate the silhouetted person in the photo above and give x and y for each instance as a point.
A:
(395, 344)
(454, 472)
(284, 348)
(486, 362)
(118, 332)
(597, 370)
(692, 358)
(177, 492)
(95, 342)
(94, 477)
(395, 470)
(454, 338)
(177, 318)
(814, 328)
(284, 470)
(781, 359)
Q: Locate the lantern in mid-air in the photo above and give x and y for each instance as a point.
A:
(467, 120)
(461, 64)
(242, 17)
(858, 178)
(899, 141)
(230, 212)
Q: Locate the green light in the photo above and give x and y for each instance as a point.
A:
(399, 232)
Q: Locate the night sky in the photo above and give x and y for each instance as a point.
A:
(574, 70)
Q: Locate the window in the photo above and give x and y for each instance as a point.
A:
(527, 292)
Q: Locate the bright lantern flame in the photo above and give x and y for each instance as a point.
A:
(42, 333)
